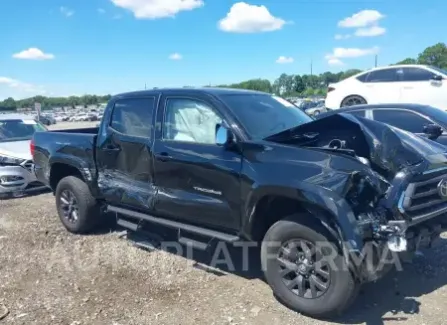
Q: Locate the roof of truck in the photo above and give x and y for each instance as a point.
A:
(204, 90)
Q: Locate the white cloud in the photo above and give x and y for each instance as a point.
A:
(335, 61)
(101, 11)
(341, 52)
(175, 56)
(246, 18)
(18, 89)
(342, 36)
(361, 19)
(348, 53)
(284, 59)
(33, 54)
(66, 11)
(370, 31)
(153, 9)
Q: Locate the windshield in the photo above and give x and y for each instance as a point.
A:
(444, 72)
(263, 115)
(18, 130)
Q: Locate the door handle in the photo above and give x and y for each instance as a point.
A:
(408, 87)
(163, 156)
(111, 148)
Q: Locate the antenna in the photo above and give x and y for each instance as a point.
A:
(311, 67)
(145, 87)
(375, 61)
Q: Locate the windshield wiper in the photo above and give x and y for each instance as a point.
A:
(290, 135)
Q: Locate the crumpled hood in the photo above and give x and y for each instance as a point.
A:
(16, 149)
(387, 147)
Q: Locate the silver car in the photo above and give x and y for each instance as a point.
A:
(16, 166)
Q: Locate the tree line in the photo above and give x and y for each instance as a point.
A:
(315, 85)
(285, 85)
(51, 102)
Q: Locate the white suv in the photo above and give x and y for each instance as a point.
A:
(415, 84)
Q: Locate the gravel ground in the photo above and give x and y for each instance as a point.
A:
(48, 276)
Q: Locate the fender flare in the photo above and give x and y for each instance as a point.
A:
(325, 205)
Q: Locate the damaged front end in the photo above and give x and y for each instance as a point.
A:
(17, 176)
(398, 189)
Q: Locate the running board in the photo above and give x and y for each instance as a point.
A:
(174, 224)
(193, 243)
(127, 224)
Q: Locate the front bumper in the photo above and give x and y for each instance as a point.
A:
(19, 179)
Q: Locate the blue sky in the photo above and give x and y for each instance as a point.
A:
(73, 47)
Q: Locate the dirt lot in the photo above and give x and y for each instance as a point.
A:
(48, 276)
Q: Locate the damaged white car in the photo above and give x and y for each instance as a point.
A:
(17, 176)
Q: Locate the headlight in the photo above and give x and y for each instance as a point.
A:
(6, 160)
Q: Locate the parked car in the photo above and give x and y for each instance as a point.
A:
(423, 120)
(408, 84)
(231, 165)
(16, 166)
(50, 118)
(44, 120)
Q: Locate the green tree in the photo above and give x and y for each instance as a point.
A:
(408, 61)
(435, 55)
(299, 84)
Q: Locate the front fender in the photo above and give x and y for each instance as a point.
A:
(313, 198)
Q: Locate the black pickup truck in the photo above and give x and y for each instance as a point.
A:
(224, 165)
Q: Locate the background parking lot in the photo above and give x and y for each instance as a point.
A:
(48, 276)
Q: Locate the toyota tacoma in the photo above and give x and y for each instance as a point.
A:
(228, 165)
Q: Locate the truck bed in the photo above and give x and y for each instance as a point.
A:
(92, 130)
(75, 147)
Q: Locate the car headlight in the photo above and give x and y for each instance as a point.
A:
(7, 160)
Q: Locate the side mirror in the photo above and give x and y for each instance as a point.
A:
(224, 137)
(433, 131)
(437, 77)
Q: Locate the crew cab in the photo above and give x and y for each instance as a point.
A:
(230, 166)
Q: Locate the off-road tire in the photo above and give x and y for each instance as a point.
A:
(89, 214)
(342, 289)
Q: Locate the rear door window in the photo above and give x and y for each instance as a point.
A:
(383, 75)
(133, 116)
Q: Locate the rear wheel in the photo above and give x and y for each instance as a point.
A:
(353, 100)
(306, 270)
(78, 210)
(316, 113)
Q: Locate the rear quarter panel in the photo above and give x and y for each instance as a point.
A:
(67, 148)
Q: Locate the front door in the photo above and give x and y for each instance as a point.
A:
(124, 155)
(420, 88)
(198, 181)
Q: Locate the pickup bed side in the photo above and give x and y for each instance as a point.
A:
(63, 153)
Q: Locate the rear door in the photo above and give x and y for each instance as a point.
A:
(383, 86)
(124, 156)
(198, 181)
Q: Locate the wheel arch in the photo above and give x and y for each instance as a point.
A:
(324, 208)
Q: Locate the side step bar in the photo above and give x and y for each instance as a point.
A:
(173, 224)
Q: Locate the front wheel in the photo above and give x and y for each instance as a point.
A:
(78, 210)
(353, 100)
(306, 270)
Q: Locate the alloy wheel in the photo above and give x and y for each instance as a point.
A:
(69, 206)
(303, 270)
